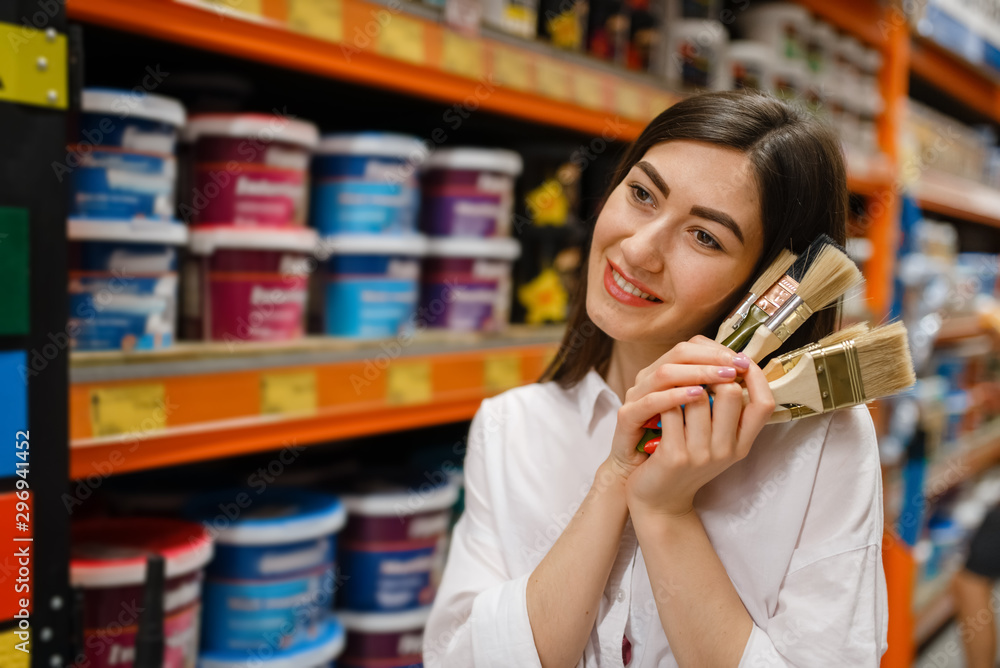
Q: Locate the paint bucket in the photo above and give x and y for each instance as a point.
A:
(248, 284)
(784, 26)
(387, 550)
(129, 120)
(466, 283)
(367, 183)
(372, 284)
(751, 65)
(272, 581)
(108, 562)
(385, 640)
(249, 170)
(316, 652)
(469, 192)
(120, 184)
(696, 55)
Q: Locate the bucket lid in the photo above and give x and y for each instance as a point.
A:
(131, 103)
(207, 239)
(112, 552)
(387, 144)
(373, 244)
(382, 500)
(384, 622)
(495, 248)
(488, 159)
(263, 126)
(281, 515)
(328, 645)
(137, 231)
(748, 48)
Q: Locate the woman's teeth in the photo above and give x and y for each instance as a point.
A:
(628, 287)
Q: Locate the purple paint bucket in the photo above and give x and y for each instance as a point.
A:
(469, 192)
(384, 640)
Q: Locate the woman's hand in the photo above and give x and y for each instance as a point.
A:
(702, 441)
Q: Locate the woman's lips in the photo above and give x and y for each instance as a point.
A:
(620, 295)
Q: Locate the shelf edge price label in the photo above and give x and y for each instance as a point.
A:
(134, 409)
(462, 56)
(628, 101)
(511, 68)
(409, 383)
(403, 38)
(288, 393)
(553, 79)
(589, 89)
(501, 372)
(233, 8)
(322, 19)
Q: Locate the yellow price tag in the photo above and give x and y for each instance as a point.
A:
(589, 88)
(409, 383)
(628, 102)
(128, 410)
(511, 68)
(501, 372)
(10, 656)
(403, 38)
(230, 7)
(323, 19)
(553, 79)
(659, 103)
(288, 392)
(462, 56)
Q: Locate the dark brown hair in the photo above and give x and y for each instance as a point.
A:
(799, 168)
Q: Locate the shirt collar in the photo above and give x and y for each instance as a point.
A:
(589, 392)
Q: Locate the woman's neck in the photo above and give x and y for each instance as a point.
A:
(627, 360)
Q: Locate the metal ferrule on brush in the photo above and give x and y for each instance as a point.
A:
(743, 310)
(838, 372)
(788, 318)
(777, 295)
(799, 412)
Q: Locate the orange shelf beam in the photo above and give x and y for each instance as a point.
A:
(955, 77)
(271, 42)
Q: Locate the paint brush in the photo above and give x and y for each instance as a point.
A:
(875, 364)
(777, 295)
(767, 278)
(830, 275)
(781, 365)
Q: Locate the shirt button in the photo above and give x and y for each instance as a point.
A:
(621, 595)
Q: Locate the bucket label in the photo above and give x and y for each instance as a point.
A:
(112, 312)
(106, 648)
(387, 577)
(359, 207)
(249, 195)
(369, 307)
(123, 186)
(256, 307)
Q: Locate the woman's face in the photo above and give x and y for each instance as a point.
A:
(684, 228)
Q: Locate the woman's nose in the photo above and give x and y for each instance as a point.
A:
(646, 247)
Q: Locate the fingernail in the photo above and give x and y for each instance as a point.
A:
(741, 361)
(694, 391)
(727, 372)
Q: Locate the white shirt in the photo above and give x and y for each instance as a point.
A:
(797, 525)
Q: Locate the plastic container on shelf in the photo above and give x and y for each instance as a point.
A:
(469, 192)
(123, 295)
(273, 575)
(820, 43)
(248, 284)
(129, 120)
(114, 183)
(367, 183)
(387, 640)
(371, 284)
(466, 283)
(751, 64)
(108, 563)
(696, 55)
(319, 650)
(609, 30)
(784, 26)
(515, 17)
(387, 550)
(249, 170)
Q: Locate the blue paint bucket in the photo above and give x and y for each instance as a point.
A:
(112, 183)
(390, 547)
(318, 651)
(273, 579)
(367, 183)
(130, 120)
(371, 284)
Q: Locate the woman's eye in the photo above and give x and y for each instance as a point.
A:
(706, 239)
(640, 194)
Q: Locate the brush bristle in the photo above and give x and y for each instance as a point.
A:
(805, 260)
(831, 274)
(773, 272)
(884, 358)
(845, 334)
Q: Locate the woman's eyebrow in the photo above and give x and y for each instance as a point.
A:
(723, 219)
(654, 176)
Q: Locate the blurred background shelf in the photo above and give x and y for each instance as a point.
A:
(950, 195)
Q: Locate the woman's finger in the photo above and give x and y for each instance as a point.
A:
(727, 407)
(698, 431)
(707, 353)
(672, 441)
(636, 413)
(674, 375)
(757, 411)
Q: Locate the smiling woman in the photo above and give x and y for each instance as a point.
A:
(734, 543)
